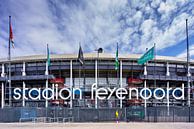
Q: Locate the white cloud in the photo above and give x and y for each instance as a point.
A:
(184, 53)
(166, 7)
(146, 26)
(136, 25)
(155, 3)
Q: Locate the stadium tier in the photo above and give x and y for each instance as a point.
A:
(66, 71)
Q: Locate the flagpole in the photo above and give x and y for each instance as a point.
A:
(96, 79)
(149, 55)
(121, 83)
(155, 78)
(188, 71)
(84, 84)
(188, 58)
(145, 85)
(154, 65)
(47, 73)
(71, 81)
(118, 69)
(2, 87)
(9, 59)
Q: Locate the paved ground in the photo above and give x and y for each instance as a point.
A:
(97, 126)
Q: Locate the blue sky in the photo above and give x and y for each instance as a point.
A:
(63, 24)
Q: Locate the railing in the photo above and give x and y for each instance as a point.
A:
(26, 119)
(68, 119)
(39, 119)
(133, 113)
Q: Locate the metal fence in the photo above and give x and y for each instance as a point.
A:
(60, 114)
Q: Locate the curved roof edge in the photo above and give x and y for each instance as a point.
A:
(107, 56)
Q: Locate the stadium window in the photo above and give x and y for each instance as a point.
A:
(172, 65)
(150, 64)
(180, 66)
(12, 66)
(18, 65)
(135, 63)
(128, 63)
(31, 64)
(160, 64)
(65, 62)
(41, 64)
(192, 67)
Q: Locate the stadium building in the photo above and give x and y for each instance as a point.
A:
(66, 71)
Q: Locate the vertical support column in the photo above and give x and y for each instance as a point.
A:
(145, 70)
(167, 69)
(96, 81)
(2, 95)
(188, 68)
(23, 98)
(189, 91)
(46, 103)
(3, 70)
(121, 81)
(71, 82)
(145, 86)
(2, 87)
(46, 73)
(189, 86)
(24, 84)
(168, 102)
(24, 69)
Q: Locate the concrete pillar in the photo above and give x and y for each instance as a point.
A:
(2, 95)
(121, 83)
(46, 73)
(145, 85)
(145, 101)
(96, 81)
(145, 70)
(189, 86)
(3, 70)
(2, 87)
(168, 74)
(71, 81)
(167, 69)
(24, 69)
(168, 101)
(23, 99)
(46, 103)
(24, 84)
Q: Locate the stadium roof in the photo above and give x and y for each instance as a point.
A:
(103, 56)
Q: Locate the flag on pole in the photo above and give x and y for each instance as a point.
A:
(149, 55)
(81, 56)
(48, 56)
(11, 34)
(117, 59)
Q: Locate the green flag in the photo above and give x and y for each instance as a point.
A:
(117, 59)
(48, 56)
(149, 55)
